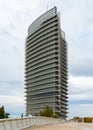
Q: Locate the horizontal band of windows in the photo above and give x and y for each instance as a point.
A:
(64, 99)
(40, 101)
(43, 104)
(64, 95)
(38, 98)
(42, 66)
(42, 27)
(63, 111)
(31, 89)
(64, 58)
(43, 85)
(38, 108)
(41, 77)
(44, 52)
(49, 38)
(42, 81)
(53, 30)
(65, 104)
(40, 39)
(53, 25)
(42, 95)
(43, 46)
(42, 59)
(63, 107)
(53, 45)
(44, 31)
(55, 17)
(41, 72)
(64, 84)
(64, 73)
(62, 68)
(52, 58)
(46, 60)
(42, 56)
(45, 41)
(41, 90)
(63, 54)
(63, 61)
(63, 65)
(63, 50)
(60, 103)
(63, 42)
(63, 47)
(64, 88)
(64, 91)
(53, 38)
(35, 84)
(64, 79)
(56, 82)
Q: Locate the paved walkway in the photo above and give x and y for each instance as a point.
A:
(64, 126)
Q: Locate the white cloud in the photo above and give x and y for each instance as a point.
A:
(13, 104)
(84, 81)
(80, 88)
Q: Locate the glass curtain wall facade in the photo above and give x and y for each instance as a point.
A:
(46, 65)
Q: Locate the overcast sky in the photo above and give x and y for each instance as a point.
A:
(76, 21)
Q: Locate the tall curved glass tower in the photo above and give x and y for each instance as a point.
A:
(46, 65)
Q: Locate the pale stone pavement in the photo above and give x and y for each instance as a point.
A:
(65, 126)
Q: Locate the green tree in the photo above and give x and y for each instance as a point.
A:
(48, 112)
(7, 115)
(3, 114)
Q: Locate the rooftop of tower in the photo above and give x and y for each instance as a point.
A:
(34, 26)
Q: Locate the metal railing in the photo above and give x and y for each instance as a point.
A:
(24, 122)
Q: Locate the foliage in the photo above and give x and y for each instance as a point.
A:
(3, 114)
(48, 112)
(88, 120)
(80, 120)
(75, 118)
(55, 115)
